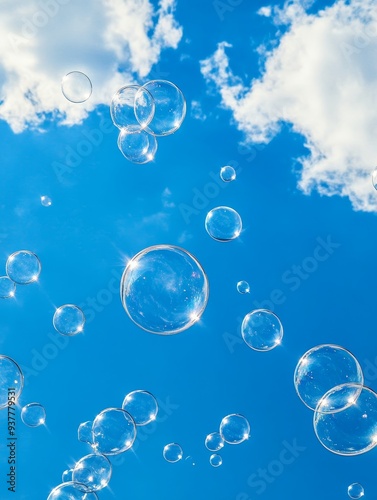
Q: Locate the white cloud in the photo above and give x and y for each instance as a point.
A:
(197, 112)
(166, 199)
(321, 79)
(112, 41)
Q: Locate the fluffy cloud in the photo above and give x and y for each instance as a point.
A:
(321, 80)
(112, 41)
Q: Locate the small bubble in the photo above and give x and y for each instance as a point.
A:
(355, 491)
(262, 330)
(69, 320)
(223, 224)
(215, 460)
(214, 441)
(46, 201)
(172, 453)
(142, 406)
(23, 267)
(243, 287)
(33, 415)
(76, 87)
(227, 174)
(234, 429)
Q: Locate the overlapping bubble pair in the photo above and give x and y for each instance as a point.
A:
(329, 381)
(143, 113)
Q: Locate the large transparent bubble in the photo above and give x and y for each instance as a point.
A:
(71, 491)
(93, 471)
(142, 406)
(164, 289)
(322, 368)
(132, 108)
(76, 87)
(113, 432)
(234, 428)
(170, 107)
(355, 491)
(262, 330)
(223, 224)
(11, 381)
(138, 147)
(353, 430)
(23, 267)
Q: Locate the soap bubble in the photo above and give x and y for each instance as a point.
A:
(170, 107)
(351, 431)
(7, 288)
(142, 406)
(374, 178)
(69, 320)
(227, 174)
(46, 201)
(172, 453)
(132, 108)
(114, 431)
(243, 287)
(234, 429)
(71, 491)
(322, 368)
(33, 415)
(262, 330)
(215, 460)
(76, 87)
(94, 471)
(138, 147)
(355, 491)
(67, 476)
(190, 460)
(164, 289)
(84, 432)
(214, 441)
(223, 224)
(23, 267)
(11, 380)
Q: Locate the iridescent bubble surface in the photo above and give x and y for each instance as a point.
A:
(11, 379)
(170, 107)
(322, 368)
(71, 491)
(76, 87)
(227, 174)
(215, 460)
(23, 267)
(84, 432)
(243, 287)
(114, 432)
(353, 430)
(355, 491)
(94, 471)
(68, 320)
(262, 330)
(223, 224)
(164, 289)
(7, 288)
(142, 406)
(172, 452)
(33, 415)
(214, 441)
(138, 147)
(132, 108)
(234, 428)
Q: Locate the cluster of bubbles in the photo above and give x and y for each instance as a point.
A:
(234, 429)
(355, 491)
(113, 431)
(329, 380)
(164, 289)
(22, 268)
(143, 113)
(76, 87)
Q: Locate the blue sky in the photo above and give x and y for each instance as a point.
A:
(296, 120)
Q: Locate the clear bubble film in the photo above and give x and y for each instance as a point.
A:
(322, 368)
(243, 287)
(227, 174)
(170, 107)
(93, 471)
(164, 289)
(352, 431)
(113, 432)
(172, 453)
(215, 460)
(11, 380)
(132, 108)
(23, 267)
(262, 330)
(355, 491)
(138, 147)
(214, 441)
(234, 428)
(33, 415)
(46, 201)
(76, 87)
(69, 320)
(223, 224)
(142, 406)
